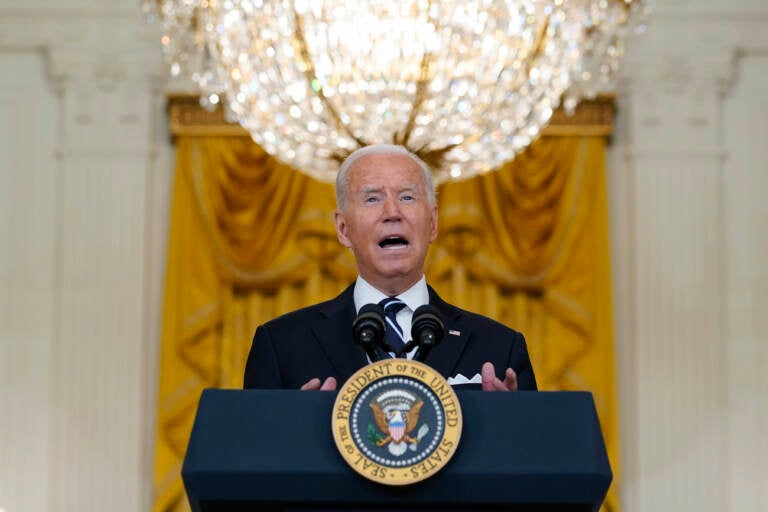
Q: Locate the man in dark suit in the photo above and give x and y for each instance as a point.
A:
(387, 216)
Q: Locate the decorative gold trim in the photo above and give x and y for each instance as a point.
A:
(592, 117)
(187, 117)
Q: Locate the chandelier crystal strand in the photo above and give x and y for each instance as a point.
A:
(464, 84)
(607, 24)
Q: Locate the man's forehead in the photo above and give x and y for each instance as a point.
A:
(386, 170)
(388, 161)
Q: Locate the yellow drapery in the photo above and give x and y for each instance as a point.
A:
(251, 239)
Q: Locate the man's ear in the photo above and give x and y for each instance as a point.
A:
(341, 228)
(433, 232)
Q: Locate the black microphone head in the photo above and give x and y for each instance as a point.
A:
(426, 327)
(368, 327)
(372, 308)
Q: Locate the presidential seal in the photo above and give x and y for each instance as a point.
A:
(396, 421)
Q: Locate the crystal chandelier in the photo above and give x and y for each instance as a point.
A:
(465, 84)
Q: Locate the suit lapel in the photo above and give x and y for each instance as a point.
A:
(334, 333)
(445, 357)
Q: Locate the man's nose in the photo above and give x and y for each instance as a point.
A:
(391, 208)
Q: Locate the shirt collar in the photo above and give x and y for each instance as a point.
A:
(415, 296)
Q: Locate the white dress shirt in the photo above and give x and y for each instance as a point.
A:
(415, 296)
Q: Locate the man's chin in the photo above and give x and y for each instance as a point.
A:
(397, 270)
(394, 281)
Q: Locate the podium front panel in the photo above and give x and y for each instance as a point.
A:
(273, 450)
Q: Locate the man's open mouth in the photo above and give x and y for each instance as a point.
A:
(393, 242)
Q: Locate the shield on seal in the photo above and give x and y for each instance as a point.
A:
(397, 426)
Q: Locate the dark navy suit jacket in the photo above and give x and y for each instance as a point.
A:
(317, 342)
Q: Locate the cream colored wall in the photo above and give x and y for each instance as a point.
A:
(85, 169)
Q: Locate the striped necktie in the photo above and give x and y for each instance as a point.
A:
(393, 333)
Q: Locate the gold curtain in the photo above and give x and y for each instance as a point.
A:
(251, 239)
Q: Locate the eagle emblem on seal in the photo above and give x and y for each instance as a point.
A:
(396, 414)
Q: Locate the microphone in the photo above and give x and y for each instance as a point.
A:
(368, 331)
(427, 330)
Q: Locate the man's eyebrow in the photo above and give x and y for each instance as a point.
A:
(409, 187)
(368, 190)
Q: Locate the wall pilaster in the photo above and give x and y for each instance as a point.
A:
(105, 153)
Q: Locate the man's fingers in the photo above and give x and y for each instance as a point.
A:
(316, 384)
(311, 385)
(488, 378)
(329, 384)
(510, 380)
(490, 382)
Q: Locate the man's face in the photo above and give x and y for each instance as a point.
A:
(388, 221)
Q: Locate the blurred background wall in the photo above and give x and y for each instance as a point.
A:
(85, 171)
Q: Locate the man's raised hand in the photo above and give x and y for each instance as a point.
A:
(490, 382)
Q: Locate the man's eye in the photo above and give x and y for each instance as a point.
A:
(407, 198)
(371, 199)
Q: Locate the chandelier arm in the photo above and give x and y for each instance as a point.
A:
(421, 87)
(197, 29)
(438, 155)
(540, 37)
(418, 99)
(310, 75)
(435, 157)
(534, 54)
(627, 8)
